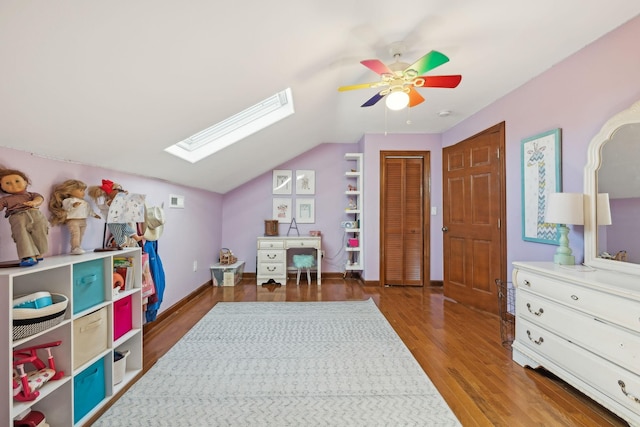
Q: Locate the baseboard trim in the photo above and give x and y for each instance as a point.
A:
(432, 284)
(148, 328)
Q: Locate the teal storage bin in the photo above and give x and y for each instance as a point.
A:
(89, 390)
(88, 284)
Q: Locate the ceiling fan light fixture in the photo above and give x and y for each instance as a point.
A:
(397, 100)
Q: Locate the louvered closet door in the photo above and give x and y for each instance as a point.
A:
(403, 219)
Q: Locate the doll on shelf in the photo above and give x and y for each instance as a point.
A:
(68, 206)
(29, 227)
(120, 210)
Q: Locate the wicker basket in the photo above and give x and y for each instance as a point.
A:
(506, 308)
(30, 321)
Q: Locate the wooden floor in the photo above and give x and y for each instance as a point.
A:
(458, 347)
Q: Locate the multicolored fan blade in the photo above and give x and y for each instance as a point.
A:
(414, 97)
(358, 86)
(372, 101)
(440, 81)
(428, 62)
(377, 66)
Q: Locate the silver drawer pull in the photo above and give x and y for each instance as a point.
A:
(574, 297)
(527, 283)
(271, 268)
(271, 256)
(537, 313)
(629, 395)
(539, 341)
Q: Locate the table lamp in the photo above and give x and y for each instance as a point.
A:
(603, 210)
(563, 209)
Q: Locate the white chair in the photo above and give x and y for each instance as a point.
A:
(306, 262)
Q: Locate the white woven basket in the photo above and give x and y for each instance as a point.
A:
(30, 321)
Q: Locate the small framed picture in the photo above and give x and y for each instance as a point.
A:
(282, 209)
(305, 182)
(305, 211)
(541, 175)
(282, 181)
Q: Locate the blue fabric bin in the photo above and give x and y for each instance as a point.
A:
(88, 284)
(89, 389)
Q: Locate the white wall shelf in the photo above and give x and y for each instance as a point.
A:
(58, 399)
(354, 195)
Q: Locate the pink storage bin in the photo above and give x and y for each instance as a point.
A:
(353, 243)
(122, 317)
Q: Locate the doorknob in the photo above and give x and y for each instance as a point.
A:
(445, 228)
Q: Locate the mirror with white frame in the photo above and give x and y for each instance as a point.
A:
(613, 167)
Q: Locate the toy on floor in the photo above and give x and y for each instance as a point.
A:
(26, 384)
(30, 419)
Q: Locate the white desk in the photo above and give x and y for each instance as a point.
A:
(272, 256)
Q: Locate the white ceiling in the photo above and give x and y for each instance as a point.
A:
(113, 83)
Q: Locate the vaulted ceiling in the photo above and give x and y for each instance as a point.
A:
(113, 83)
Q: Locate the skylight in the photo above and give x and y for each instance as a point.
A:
(235, 128)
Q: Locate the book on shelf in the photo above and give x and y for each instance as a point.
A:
(124, 266)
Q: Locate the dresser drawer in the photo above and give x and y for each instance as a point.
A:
(270, 244)
(602, 305)
(303, 243)
(611, 342)
(271, 256)
(271, 269)
(597, 374)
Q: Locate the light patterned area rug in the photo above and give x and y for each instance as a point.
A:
(285, 364)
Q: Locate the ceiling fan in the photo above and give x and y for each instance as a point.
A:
(400, 79)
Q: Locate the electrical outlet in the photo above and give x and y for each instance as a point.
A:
(195, 265)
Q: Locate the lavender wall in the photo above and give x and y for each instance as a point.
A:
(246, 207)
(578, 95)
(190, 234)
(372, 145)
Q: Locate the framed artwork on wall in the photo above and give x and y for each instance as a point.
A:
(282, 209)
(281, 181)
(305, 182)
(305, 211)
(541, 175)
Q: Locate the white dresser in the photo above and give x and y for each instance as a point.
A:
(583, 325)
(272, 256)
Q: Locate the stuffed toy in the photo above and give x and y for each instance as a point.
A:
(68, 206)
(120, 209)
(29, 227)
